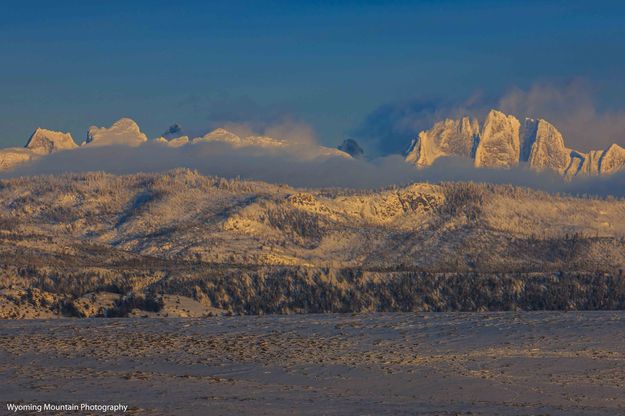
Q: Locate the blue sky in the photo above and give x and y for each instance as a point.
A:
(67, 65)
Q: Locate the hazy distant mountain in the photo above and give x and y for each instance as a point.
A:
(504, 142)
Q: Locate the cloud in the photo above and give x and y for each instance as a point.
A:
(290, 168)
(570, 106)
(572, 109)
(222, 109)
(390, 128)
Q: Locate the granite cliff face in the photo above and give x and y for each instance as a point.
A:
(504, 142)
(499, 143)
(449, 137)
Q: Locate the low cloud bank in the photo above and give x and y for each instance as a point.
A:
(569, 106)
(572, 109)
(290, 168)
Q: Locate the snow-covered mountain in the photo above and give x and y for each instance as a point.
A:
(503, 142)
(123, 132)
(45, 141)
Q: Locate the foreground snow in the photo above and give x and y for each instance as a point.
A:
(510, 364)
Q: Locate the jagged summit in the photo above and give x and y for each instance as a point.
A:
(124, 131)
(44, 141)
(504, 142)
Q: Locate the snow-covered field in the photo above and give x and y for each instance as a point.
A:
(540, 363)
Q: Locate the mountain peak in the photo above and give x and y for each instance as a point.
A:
(548, 150)
(44, 141)
(124, 131)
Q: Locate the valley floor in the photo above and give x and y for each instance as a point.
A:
(508, 363)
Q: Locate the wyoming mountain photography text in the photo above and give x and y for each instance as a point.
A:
(374, 207)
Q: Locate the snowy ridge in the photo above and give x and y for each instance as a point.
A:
(182, 214)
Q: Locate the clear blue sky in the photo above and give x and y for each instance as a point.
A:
(67, 65)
